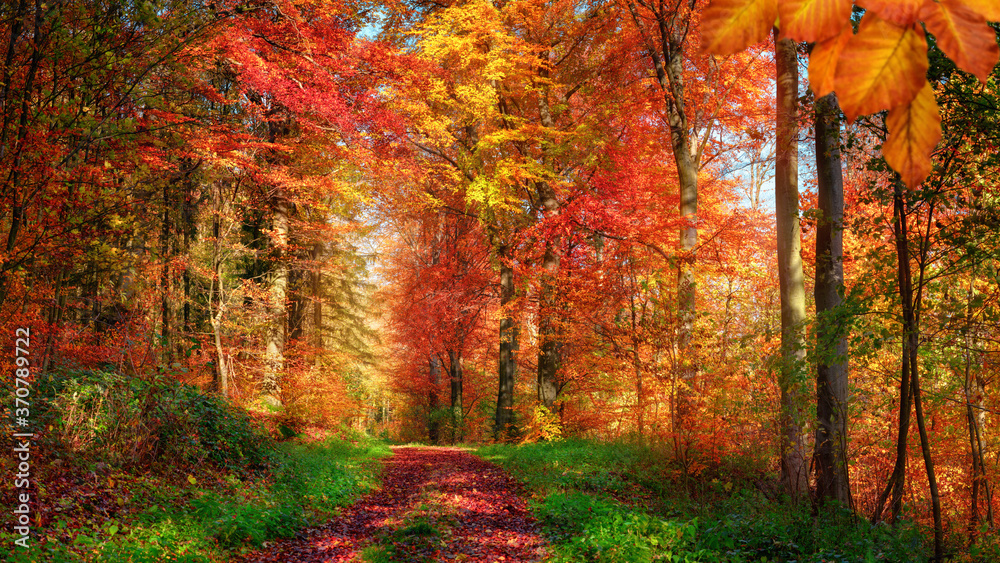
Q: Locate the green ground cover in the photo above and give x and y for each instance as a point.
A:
(608, 502)
(151, 471)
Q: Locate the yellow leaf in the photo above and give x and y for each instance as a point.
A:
(192, 480)
(914, 131)
(963, 35)
(823, 61)
(989, 9)
(881, 67)
(729, 26)
(899, 12)
(812, 20)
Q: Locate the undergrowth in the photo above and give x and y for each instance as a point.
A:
(608, 502)
(150, 471)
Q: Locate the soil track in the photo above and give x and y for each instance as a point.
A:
(474, 508)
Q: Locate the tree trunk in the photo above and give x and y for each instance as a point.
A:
(54, 321)
(897, 480)
(297, 304)
(548, 337)
(640, 419)
(317, 293)
(910, 298)
(668, 63)
(433, 402)
(503, 425)
(216, 297)
(830, 453)
(549, 343)
(190, 235)
(794, 467)
(457, 375)
(274, 356)
(18, 142)
(166, 331)
(975, 412)
(925, 448)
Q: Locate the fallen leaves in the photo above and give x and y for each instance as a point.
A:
(435, 504)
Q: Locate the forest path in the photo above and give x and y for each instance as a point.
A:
(435, 504)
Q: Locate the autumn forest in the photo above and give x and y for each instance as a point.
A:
(736, 259)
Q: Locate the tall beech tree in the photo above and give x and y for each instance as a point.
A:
(794, 422)
(830, 448)
(666, 45)
(700, 95)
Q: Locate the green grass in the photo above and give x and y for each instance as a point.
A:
(209, 517)
(607, 502)
(414, 542)
(153, 470)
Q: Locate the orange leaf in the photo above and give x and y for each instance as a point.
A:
(914, 131)
(812, 20)
(989, 9)
(881, 67)
(823, 61)
(899, 12)
(963, 35)
(729, 26)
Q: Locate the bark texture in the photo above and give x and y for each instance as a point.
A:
(794, 425)
(829, 454)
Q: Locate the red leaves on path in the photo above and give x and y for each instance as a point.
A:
(486, 518)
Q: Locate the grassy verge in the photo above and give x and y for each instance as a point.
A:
(155, 471)
(605, 502)
(199, 515)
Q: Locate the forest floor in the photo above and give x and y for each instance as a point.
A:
(435, 504)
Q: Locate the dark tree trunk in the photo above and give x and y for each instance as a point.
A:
(54, 319)
(910, 296)
(433, 401)
(297, 305)
(190, 235)
(830, 452)
(549, 338)
(317, 294)
(548, 333)
(13, 180)
(503, 428)
(166, 306)
(897, 479)
(457, 412)
(975, 412)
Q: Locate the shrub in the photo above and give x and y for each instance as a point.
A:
(133, 421)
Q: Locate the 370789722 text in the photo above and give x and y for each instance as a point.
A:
(22, 440)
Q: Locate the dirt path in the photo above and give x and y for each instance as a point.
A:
(436, 504)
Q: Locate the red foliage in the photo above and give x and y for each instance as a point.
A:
(483, 506)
